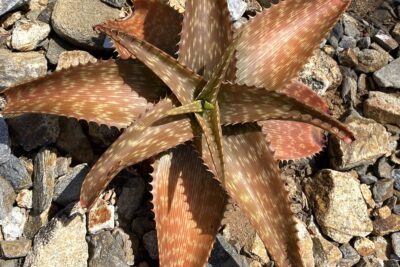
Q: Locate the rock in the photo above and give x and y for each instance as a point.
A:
(349, 86)
(73, 20)
(305, 244)
(34, 130)
(348, 58)
(24, 199)
(322, 73)
(338, 204)
(27, 35)
(368, 179)
(56, 47)
(101, 217)
(20, 67)
(371, 142)
(13, 224)
(225, 255)
(34, 223)
(396, 243)
(370, 261)
(383, 107)
(74, 58)
(130, 198)
(348, 42)
(325, 253)
(102, 135)
(45, 14)
(385, 40)
(258, 251)
(370, 60)
(350, 256)
(128, 242)
(43, 181)
(15, 172)
(115, 3)
(60, 243)
(142, 225)
(364, 246)
(396, 32)
(62, 166)
(382, 247)
(73, 141)
(396, 209)
(10, 263)
(6, 6)
(396, 177)
(384, 212)
(386, 226)
(350, 26)
(388, 75)
(382, 190)
(68, 186)
(383, 168)
(7, 197)
(150, 244)
(5, 149)
(15, 248)
(104, 250)
(338, 30)
(236, 8)
(392, 263)
(364, 42)
(367, 195)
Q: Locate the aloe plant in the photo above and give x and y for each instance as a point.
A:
(230, 108)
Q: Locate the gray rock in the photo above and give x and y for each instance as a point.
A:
(338, 31)
(368, 179)
(392, 263)
(382, 190)
(396, 209)
(142, 225)
(10, 263)
(5, 149)
(15, 248)
(7, 198)
(383, 168)
(386, 41)
(347, 42)
(34, 223)
(34, 130)
(55, 48)
(27, 35)
(369, 261)
(339, 205)
(325, 253)
(128, 242)
(372, 142)
(8, 5)
(350, 26)
(15, 172)
(68, 187)
(396, 243)
(102, 135)
(370, 60)
(396, 177)
(383, 108)
(364, 42)
(20, 67)
(62, 166)
(62, 242)
(349, 86)
(237, 8)
(396, 32)
(73, 141)
(73, 20)
(43, 180)
(350, 256)
(13, 225)
(388, 76)
(45, 14)
(150, 244)
(225, 255)
(105, 251)
(130, 198)
(115, 3)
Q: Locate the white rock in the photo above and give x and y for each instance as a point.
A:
(237, 8)
(13, 225)
(28, 34)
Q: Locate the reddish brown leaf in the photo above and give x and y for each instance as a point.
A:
(276, 43)
(93, 92)
(206, 33)
(188, 207)
(152, 21)
(149, 136)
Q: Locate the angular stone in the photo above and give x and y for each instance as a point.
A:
(384, 212)
(7, 197)
(130, 198)
(101, 217)
(24, 199)
(348, 42)
(396, 243)
(396, 177)
(13, 224)
(364, 246)
(55, 48)
(224, 254)
(383, 168)
(325, 253)
(382, 247)
(236, 8)
(388, 76)
(338, 204)
(348, 58)
(20, 67)
(73, 141)
(305, 244)
(10, 263)
(34, 130)
(364, 42)
(15, 248)
(15, 172)
(350, 256)
(386, 41)
(27, 34)
(350, 26)
(396, 32)
(5, 149)
(370, 261)
(386, 226)
(43, 181)
(74, 58)
(322, 73)
(73, 20)
(104, 250)
(150, 244)
(62, 242)
(382, 190)
(6, 6)
(370, 60)
(68, 186)
(258, 251)
(115, 3)
(371, 142)
(34, 223)
(129, 244)
(368, 179)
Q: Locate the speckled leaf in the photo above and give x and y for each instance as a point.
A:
(93, 92)
(157, 23)
(150, 135)
(188, 206)
(277, 42)
(206, 33)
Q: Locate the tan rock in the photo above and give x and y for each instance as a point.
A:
(384, 212)
(325, 253)
(364, 246)
(367, 194)
(388, 225)
(305, 244)
(383, 108)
